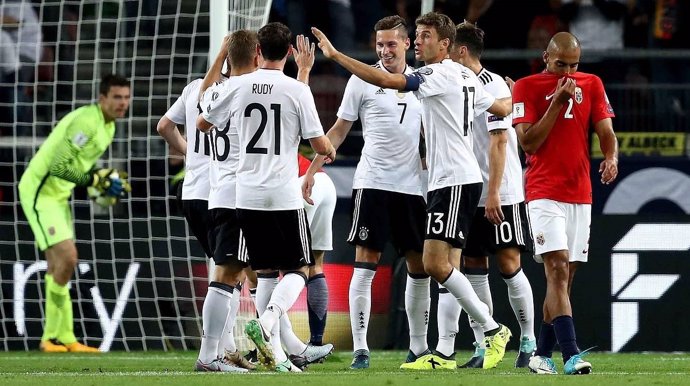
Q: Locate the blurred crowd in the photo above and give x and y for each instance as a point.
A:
(37, 38)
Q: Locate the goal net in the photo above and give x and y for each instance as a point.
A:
(142, 277)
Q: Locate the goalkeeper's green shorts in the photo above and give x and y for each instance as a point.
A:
(50, 219)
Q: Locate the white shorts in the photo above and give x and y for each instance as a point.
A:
(320, 215)
(560, 226)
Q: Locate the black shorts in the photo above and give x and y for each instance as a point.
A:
(380, 215)
(486, 238)
(276, 239)
(226, 238)
(199, 221)
(450, 211)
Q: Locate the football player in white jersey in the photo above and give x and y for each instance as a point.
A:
(208, 204)
(451, 95)
(500, 226)
(387, 201)
(271, 112)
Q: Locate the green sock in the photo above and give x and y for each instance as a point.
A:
(65, 333)
(53, 317)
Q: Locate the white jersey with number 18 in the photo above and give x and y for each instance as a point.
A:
(272, 111)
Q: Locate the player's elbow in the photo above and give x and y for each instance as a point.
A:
(321, 145)
(164, 126)
(528, 148)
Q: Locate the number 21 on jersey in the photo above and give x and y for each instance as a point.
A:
(252, 147)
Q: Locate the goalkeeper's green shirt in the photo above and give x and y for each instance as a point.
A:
(71, 150)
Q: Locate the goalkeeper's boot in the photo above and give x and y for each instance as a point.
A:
(217, 365)
(496, 347)
(52, 346)
(287, 367)
(317, 354)
(527, 349)
(477, 359)
(542, 365)
(429, 361)
(236, 359)
(360, 360)
(576, 365)
(81, 348)
(255, 331)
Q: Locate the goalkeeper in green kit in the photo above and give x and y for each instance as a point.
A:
(65, 160)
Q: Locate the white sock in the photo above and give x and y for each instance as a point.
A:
(480, 284)
(360, 305)
(227, 340)
(292, 343)
(460, 287)
(417, 304)
(522, 302)
(284, 296)
(447, 316)
(278, 353)
(264, 290)
(213, 316)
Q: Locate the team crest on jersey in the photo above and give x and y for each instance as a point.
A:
(400, 94)
(363, 233)
(51, 231)
(578, 95)
(540, 238)
(80, 139)
(214, 96)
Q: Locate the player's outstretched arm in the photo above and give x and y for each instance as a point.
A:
(168, 130)
(363, 71)
(304, 57)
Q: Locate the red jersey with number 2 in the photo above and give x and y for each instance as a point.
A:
(559, 169)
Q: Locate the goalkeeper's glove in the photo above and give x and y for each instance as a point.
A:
(111, 181)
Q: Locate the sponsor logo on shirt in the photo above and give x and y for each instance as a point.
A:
(380, 91)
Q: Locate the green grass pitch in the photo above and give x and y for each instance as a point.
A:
(171, 369)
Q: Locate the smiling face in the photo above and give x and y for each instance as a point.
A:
(391, 46)
(115, 103)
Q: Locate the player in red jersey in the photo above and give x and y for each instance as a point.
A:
(552, 113)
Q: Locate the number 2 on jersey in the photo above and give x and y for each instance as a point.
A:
(251, 146)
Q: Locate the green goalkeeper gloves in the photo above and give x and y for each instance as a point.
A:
(112, 182)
